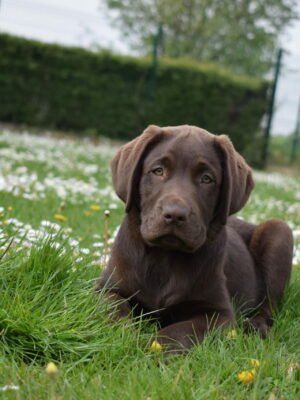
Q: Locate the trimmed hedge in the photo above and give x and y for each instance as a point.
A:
(73, 89)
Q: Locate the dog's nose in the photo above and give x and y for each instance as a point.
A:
(175, 214)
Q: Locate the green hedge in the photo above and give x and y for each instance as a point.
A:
(73, 89)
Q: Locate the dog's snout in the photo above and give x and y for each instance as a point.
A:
(175, 214)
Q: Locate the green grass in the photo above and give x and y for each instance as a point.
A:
(49, 311)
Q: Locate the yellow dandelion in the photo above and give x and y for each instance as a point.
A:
(95, 207)
(60, 217)
(255, 363)
(247, 377)
(232, 334)
(9, 208)
(51, 369)
(155, 347)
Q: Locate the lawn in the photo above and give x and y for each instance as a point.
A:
(54, 197)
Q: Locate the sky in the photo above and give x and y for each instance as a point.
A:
(84, 23)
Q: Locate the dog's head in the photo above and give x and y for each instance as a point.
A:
(184, 182)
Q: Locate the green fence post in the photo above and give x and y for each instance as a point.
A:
(265, 149)
(295, 140)
(153, 73)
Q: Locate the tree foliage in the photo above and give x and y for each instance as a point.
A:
(239, 34)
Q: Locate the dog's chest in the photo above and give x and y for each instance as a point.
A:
(165, 283)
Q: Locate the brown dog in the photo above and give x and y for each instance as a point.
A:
(177, 252)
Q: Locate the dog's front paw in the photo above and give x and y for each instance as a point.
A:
(258, 324)
(173, 340)
(167, 347)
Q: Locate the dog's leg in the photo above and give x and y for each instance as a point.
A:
(272, 248)
(108, 284)
(181, 336)
(119, 306)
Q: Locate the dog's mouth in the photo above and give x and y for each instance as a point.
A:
(171, 242)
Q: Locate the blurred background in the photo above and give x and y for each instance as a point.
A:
(110, 67)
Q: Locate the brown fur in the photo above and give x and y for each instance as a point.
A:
(178, 253)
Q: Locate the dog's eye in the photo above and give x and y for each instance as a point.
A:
(206, 179)
(158, 171)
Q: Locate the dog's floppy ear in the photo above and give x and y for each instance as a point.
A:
(237, 181)
(127, 164)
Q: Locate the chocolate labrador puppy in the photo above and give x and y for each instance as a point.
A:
(178, 253)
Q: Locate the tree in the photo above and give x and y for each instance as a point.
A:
(239, 34)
